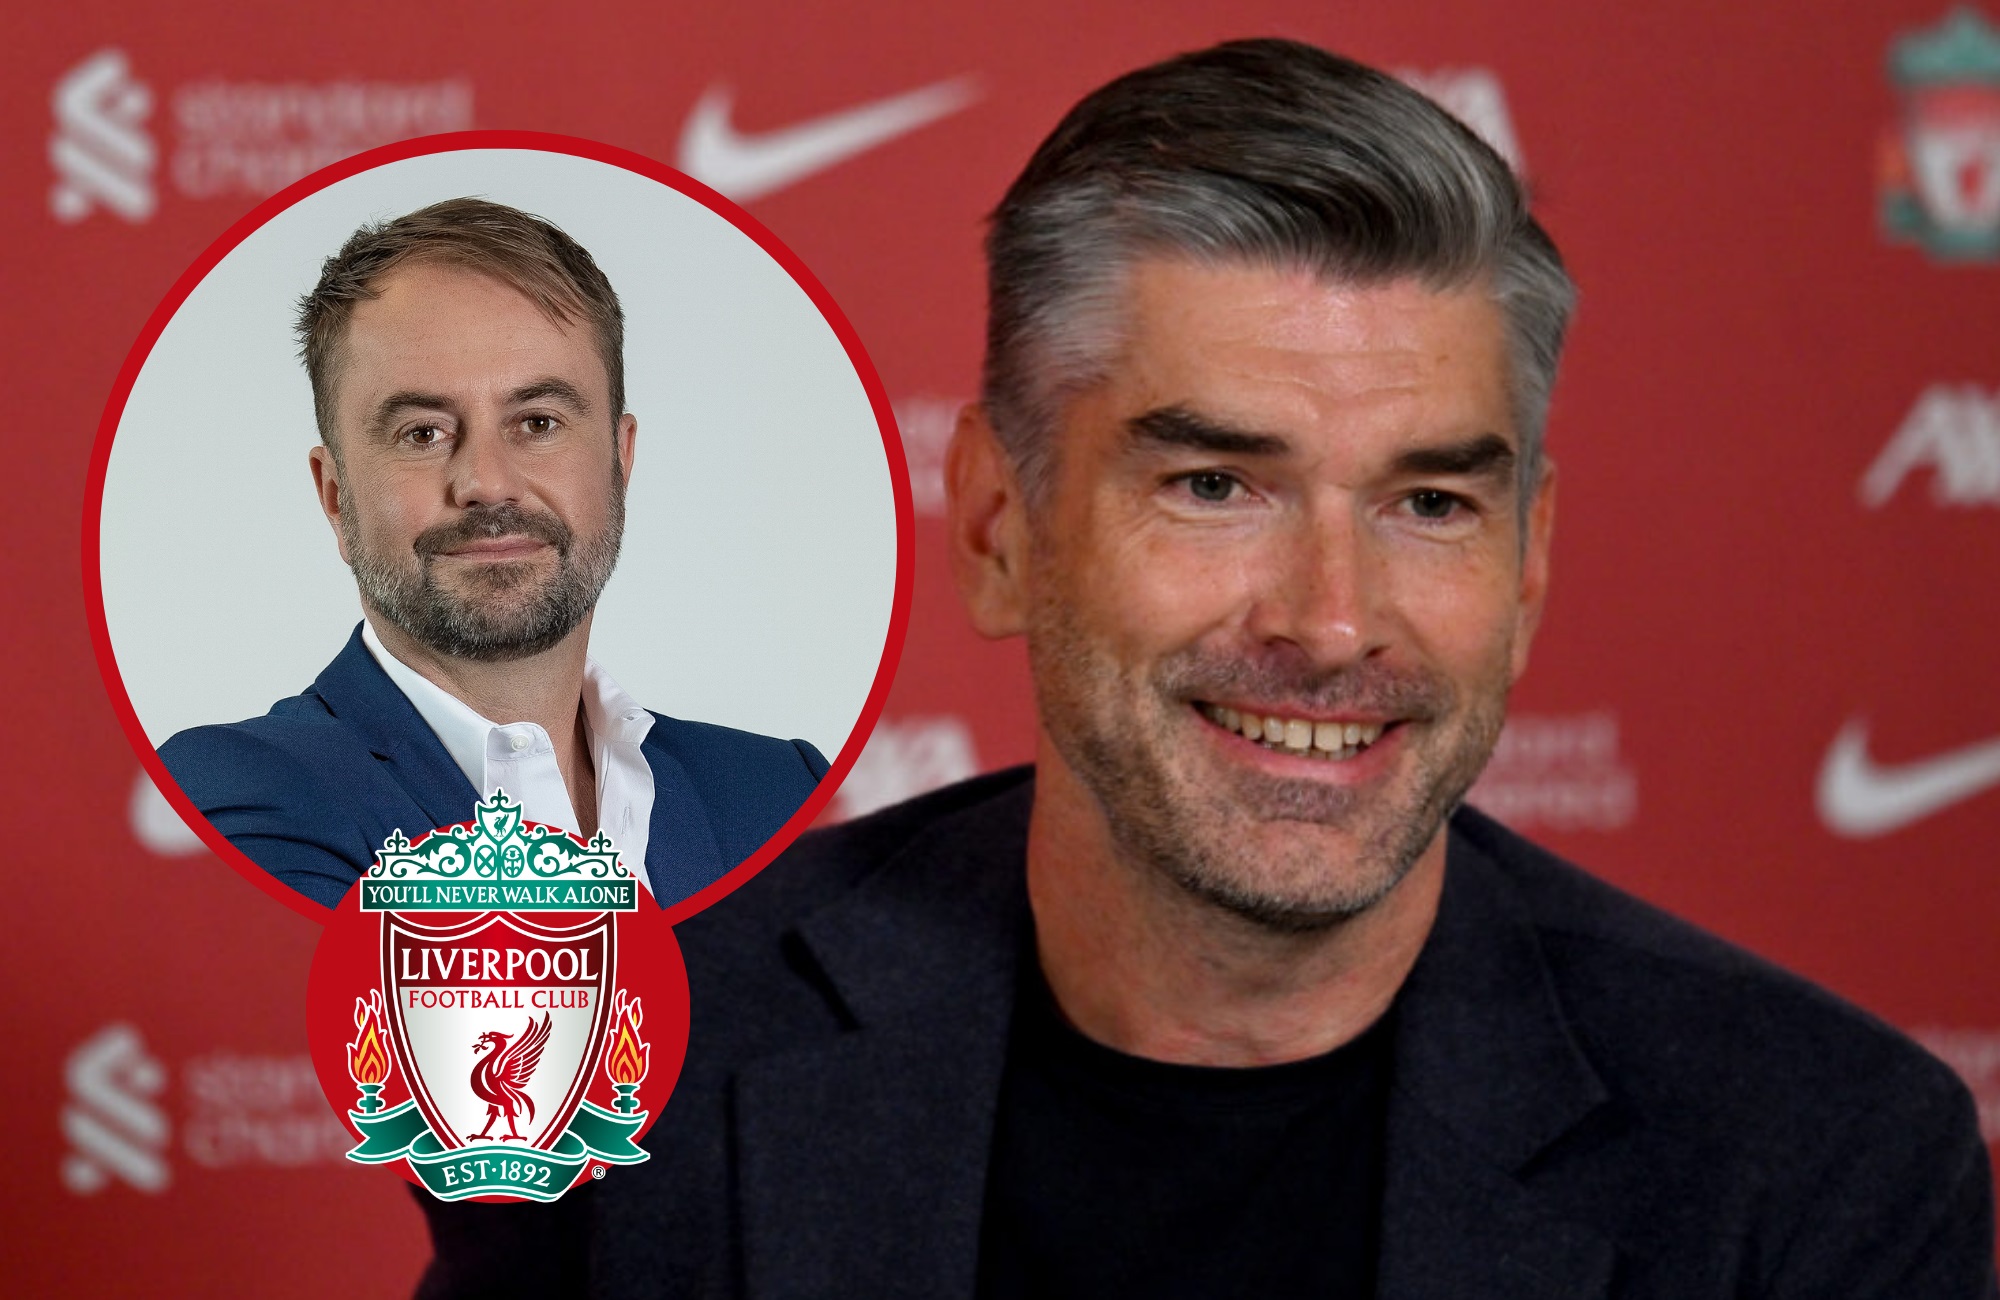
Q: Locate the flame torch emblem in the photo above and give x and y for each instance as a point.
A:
(368, 1054)
(627, 1055)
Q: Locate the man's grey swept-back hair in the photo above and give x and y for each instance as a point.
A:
(1265, 152)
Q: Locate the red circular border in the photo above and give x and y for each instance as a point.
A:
(546, 142)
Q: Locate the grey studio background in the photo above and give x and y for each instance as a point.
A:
(757, 579)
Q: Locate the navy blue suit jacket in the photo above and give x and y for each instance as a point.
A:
(310, 790)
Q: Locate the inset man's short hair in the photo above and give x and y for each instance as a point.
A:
(514, 247)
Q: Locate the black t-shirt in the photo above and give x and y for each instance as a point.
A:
(1113, 1175)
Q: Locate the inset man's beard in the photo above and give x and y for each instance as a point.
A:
(504, 612)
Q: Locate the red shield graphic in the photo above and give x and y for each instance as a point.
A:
(498, 1018)
(1953, 144)
(513, 1023)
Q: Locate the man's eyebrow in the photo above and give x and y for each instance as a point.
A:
(559, 390)
(1487, 456)
(409, 399)
(1176, 426)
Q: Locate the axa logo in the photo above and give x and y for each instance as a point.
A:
(100, 149)
(1939, 182)
(926, 423)
(906, 758)
(1975, 1055)
(1475, 97)
(1953, 433)
(112, 1120)
(156, 825)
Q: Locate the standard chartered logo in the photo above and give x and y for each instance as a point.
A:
(220, 139)
(122, 1118)
(114, 1127)
(100, 150)
(1559, 772)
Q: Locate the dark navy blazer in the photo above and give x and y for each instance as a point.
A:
(1591, 1100)
(310, 790)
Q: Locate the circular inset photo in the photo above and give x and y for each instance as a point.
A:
(498, 461)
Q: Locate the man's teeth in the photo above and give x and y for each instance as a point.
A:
(1297, 735)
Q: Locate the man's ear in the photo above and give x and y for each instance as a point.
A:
(626, 443)
(987, 527)
(326, 486)
(1540, 521)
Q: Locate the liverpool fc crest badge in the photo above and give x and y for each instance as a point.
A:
(480, 1009)
(1940, 169)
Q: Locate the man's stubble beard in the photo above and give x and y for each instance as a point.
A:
(482, 624)
(1208, 830)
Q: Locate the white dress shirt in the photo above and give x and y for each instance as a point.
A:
(517, 756)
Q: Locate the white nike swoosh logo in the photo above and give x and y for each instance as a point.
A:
(747, 167)
(1858, 798)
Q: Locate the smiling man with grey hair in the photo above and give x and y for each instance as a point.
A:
(1228, 994)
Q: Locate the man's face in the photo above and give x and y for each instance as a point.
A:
(478, 490)
(1294, 502)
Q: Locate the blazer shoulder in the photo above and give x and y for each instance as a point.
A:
(1682, 1019)
(828, 863)
(1849, 1159)
(259, 783)
(735, 752)
(748, 786)
(300, 730)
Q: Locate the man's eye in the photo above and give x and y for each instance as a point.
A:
(539, 424)
(1211, 485)
(424, 435)
(1430, 503)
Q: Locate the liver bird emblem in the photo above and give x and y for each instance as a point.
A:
(500, 1078)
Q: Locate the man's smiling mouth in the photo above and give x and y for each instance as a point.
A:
(1300, 736)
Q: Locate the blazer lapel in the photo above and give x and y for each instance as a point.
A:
(1487, 1076)
(681, 850)
(682, 855)
(357, 691)
(863, 1161)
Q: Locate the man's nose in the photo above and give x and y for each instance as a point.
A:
(1324, 590)
(485, 470)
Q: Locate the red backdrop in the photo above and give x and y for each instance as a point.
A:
(1779, 432)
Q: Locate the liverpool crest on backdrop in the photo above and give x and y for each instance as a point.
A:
(1940, 169)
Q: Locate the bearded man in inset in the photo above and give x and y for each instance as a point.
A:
(467, 368)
